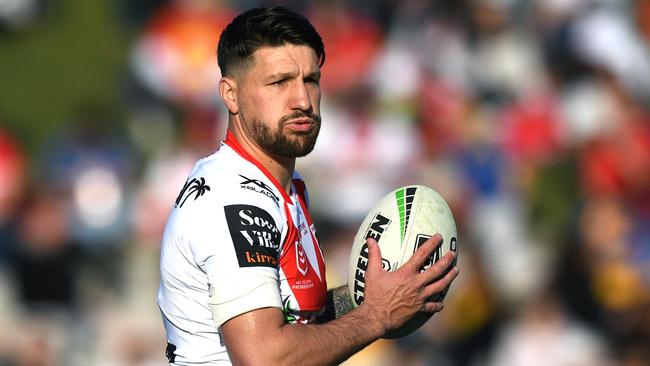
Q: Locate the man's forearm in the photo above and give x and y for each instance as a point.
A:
(296, 344)
(330, 343)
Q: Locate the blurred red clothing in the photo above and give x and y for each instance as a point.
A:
(12, 172)
(532, 131)
(619, 163)
(442, 112)
(352, 42)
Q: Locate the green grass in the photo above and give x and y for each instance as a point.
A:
(72, 56)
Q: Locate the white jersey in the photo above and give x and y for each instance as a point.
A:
(234, 242)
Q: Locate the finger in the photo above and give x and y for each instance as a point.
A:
(432, 307)
(439, 268)
(374, 254)
(423, 253)
(441, 284)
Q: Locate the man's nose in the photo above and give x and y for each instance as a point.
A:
(300, 98)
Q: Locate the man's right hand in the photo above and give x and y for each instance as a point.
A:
(392, 298)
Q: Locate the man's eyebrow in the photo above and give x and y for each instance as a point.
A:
(282, 75)
(315, 74)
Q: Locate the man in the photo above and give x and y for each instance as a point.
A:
(242, 273)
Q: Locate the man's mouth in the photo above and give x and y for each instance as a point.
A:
(300, 124)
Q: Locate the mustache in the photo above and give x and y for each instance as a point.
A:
(300, 114)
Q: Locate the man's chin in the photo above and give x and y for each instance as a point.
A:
(298, 147)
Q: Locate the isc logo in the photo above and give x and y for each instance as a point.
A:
(420, 239)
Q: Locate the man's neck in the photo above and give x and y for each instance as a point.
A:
(280, 168)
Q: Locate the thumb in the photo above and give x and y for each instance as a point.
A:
(374, 254)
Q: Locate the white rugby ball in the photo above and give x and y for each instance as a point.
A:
(401, 222)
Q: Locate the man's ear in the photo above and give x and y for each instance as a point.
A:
(227, 91)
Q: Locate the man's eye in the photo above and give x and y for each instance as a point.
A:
(279, 82)
(312, 81)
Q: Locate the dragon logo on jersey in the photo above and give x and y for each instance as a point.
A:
(404, 203)
(254, 234)
(259, 187)
(192, 186)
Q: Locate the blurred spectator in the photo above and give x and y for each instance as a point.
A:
(162, 180)
(617, 277)
(12, 179)
(351, 39)
(19, 14)
(175, 55)
(43, 259)
(541, 333)
(175, 59)
(617, 161)
(532, 133)
(604, 36)
(641, 12)
(41, 340)
(362, 152)
(443, 113)
(504, 61)
(91, 162)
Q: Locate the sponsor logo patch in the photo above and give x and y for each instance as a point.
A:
(259, 187)
(194, 186)
(254, 234)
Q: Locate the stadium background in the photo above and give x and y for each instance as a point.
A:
(530, 117)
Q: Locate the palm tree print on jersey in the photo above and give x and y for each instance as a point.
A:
(194, 185)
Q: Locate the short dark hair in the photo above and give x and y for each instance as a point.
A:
(265, 26)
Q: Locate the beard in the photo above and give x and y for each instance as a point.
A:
(295, 144)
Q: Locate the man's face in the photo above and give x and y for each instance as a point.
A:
(279, 100)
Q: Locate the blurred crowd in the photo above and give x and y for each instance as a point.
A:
(531, 118)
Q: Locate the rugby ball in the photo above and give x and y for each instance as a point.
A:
(401, 222)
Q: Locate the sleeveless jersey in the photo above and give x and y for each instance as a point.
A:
(235, 242)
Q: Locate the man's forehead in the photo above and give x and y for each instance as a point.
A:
(286, 56)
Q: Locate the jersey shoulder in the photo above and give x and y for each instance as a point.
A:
(226, 197)
(225, 178)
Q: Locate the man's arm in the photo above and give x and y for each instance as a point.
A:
(338, 304)
(260, 337)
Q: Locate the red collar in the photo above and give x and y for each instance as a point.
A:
(234, 144)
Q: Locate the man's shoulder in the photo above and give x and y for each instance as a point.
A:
(228, 178)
